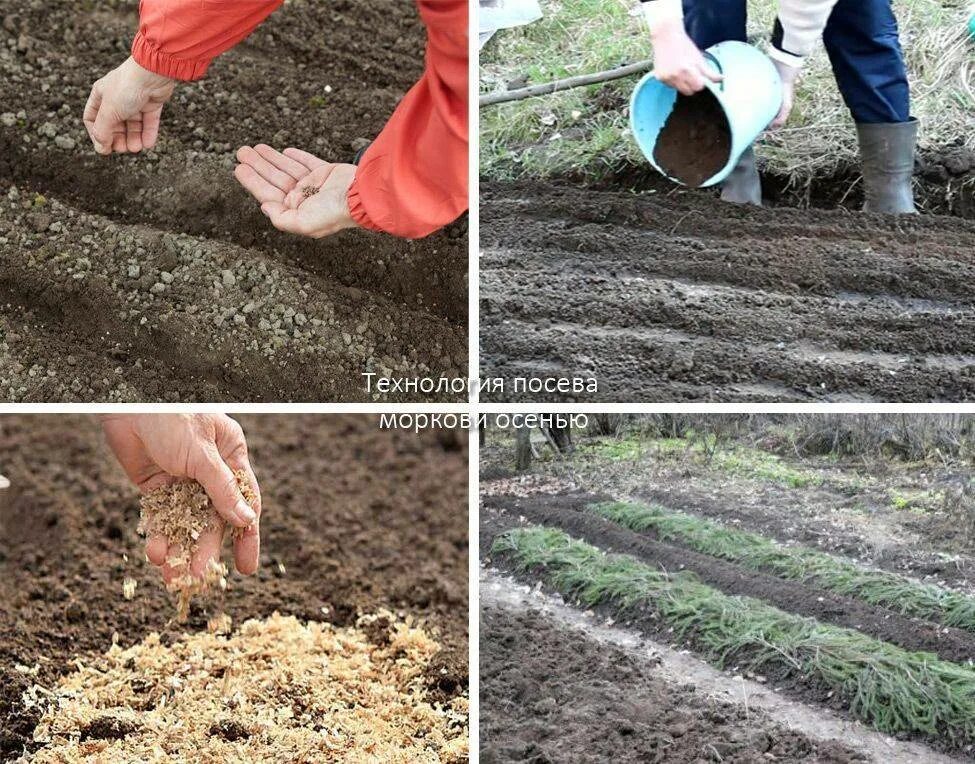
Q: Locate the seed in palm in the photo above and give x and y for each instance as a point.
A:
(307, 191)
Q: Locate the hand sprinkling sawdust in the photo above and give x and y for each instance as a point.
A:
(182, 513)
(202, 462)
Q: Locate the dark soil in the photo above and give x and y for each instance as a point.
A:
(568, 513)
(358, 518)
(679, 297)
(295, 319)
(496, 519)
(550, 694)
(695, 141)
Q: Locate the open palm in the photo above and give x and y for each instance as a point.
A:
(299, 192)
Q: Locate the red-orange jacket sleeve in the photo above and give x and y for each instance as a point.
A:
(179, 38)
(412, 180)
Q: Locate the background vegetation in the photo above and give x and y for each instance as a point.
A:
(583, 133)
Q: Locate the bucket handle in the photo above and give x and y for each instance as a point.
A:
(717, 65)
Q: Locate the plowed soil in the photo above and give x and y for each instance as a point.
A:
(551, 694)
(355, 519)
(666, 297)
(156, 277)
(501, 513)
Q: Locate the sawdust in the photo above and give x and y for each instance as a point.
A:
(278, 690)
(181, 512)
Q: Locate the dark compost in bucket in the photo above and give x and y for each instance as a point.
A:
(695, 141)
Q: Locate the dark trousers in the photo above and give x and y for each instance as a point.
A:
(861, 40)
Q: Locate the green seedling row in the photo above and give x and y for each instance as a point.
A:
(894, 690)
(877, 587)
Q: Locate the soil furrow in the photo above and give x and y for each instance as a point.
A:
(550, 692)
(843, 323)
(569, 514)
(762, 516)
(256, 332)
(651, 363)
(494, 521)
(811, 270)
(865, 307)
(523, 618)
(306, 78)
(201, 198)
(695, 214)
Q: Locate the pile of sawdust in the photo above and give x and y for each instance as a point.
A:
(275, 691)
(181, 512)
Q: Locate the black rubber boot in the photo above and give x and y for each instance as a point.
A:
(887, 156)
(743, 186)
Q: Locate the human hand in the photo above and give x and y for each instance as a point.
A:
(285, 183)
(677, 61)
(788, 75)
(157, 449)
(124, 107)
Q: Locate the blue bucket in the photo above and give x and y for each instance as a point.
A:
(750, 96)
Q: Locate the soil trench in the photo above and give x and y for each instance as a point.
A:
(569, 514)
(336, 542)
(679, 297)
(198, 297)
(587, 667)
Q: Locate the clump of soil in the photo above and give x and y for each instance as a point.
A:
(695, 141)
(181, 512)
(277, 690)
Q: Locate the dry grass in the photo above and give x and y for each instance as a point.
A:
(277, 690)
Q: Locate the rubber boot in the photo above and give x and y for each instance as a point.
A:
(743, 186)
(887, 155)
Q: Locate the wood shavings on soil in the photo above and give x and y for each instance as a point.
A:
(277, 690)
(181, 512)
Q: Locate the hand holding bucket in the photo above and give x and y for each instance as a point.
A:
(743, 104)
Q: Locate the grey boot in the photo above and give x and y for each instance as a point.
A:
(743, 186)
(887, 155)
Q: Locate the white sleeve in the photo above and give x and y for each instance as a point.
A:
(799, 26)
(655, 11)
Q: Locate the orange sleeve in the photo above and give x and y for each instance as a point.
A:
(412, 179)
(179, 38)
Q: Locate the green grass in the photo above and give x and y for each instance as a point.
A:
(877, 587)
(616, 449)
(585, 131)
(761, 465)
(920, 502)
(739, 460)
(895, 690)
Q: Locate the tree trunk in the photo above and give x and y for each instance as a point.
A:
(561, 439)
(523, 449)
